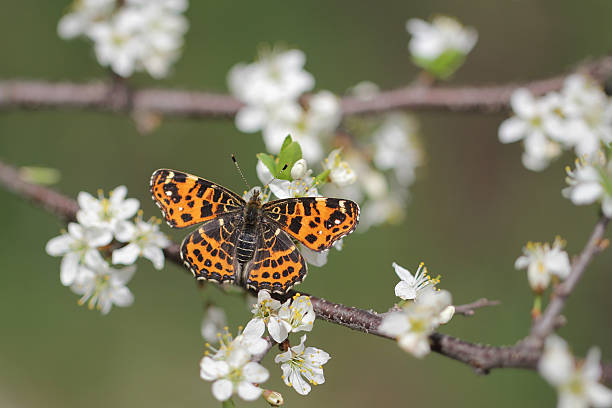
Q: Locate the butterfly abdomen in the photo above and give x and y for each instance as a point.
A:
(245, 246)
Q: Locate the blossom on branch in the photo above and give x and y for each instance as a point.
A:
(412, 325)
(577, 384)
(102, 286)
(74, 245)
(441, 46)
(578, 117)
(144, 239)
(542, 261)
(109, 213)
(302, 366)
(412, 287)
(591, 181)
(234, 373)
(130, 36)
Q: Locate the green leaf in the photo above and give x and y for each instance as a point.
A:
(286, 142)
(605, 180)
(268, 161)
(40, 175)
(444, 66)
(290, 153)
(322, 178)
(228, 404)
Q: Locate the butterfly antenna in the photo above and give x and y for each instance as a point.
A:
(240, 171)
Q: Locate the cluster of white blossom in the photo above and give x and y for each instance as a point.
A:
(578, 117)
(542, 262)
(591, 181)
(577, 383)
(105, 236)
(234, 367)
(271, 89)
(130, 35)
(441, 46)
(423, 309)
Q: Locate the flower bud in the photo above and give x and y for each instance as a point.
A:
(299, 169)
(274, 398)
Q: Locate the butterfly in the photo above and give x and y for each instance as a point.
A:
(248, 243)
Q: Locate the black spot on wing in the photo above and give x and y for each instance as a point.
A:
(296, 224)
(310, 238)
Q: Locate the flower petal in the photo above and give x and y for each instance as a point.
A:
(126, 255)
(222, 389)
(255, 373)
(248, 391)
(69, 268)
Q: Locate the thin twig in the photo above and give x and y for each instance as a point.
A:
(482, 358)
(468, 308)
(117, 97)
(548, 321)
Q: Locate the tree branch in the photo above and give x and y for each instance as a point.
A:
(116, 97)
(483, 358)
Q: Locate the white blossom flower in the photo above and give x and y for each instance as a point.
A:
(110, 213)
(588, 115)
(249, 339)
(302, 187)
(102, 286)
(84, 13)
(590, 182)
(162, 33)
(213, 322)
(299, 315)
(234, 373)
(411, 287)
(542, 261)
(535, 119)
(413, 325)
(275, 78)
(430, 40)
(578, 385)
(396, 147)
(340, 172)
(265, 313)
(117, 43)
(302, 366)
(144, 239)
(74, 245)
(130, 36)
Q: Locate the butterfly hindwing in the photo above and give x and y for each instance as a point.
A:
(187, 200)
(316, 222)
(209, 251)
(277, 264)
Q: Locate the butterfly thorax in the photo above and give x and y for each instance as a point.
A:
(246, 244)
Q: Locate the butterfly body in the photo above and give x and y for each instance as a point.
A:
(248, 243)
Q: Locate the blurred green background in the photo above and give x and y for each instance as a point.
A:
(473, 208)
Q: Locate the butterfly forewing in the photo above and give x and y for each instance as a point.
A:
(187, 200)
(209, 251)
(316, 222)
(277, 264)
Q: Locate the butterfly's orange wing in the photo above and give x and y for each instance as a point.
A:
(187, 200)
(316, 222)
(209, 251)
(277, 264)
